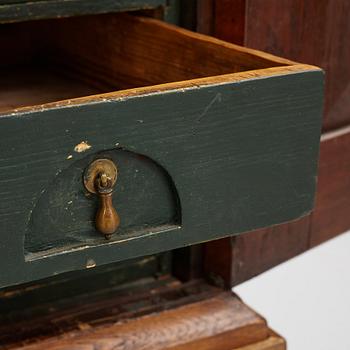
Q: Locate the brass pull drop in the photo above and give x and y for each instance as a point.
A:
(100, 178)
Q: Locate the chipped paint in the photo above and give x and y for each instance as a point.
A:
(82, 147)
(90, 263)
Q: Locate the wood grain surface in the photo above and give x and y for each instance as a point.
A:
(273, 342)
(59, 59)
(23, 321)
(144, 51)
(221, 322)
(308, 31)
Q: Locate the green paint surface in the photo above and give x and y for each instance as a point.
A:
(241, 155)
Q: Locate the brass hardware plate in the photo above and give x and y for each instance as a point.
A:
(97, 167)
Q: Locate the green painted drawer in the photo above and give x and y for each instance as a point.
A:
(210, 140)
(23, 10)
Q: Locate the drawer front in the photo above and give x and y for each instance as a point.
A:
(236, 163)
(197, 160)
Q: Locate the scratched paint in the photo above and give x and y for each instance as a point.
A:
(217, 98)
(90, 264)
(82, 147)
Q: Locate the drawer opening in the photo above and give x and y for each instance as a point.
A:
(61, 59)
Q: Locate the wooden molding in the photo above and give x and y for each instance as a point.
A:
(215, 320)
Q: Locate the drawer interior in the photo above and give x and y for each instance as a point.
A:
(59, 59)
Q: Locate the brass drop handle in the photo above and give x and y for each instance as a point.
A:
(107, 219)
(100, 178)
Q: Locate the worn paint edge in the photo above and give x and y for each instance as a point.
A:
(183, 86)
(46, 9)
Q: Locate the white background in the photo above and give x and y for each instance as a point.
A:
(307, 299)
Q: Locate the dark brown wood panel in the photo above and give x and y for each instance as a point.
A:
(332, 214)
(312, 31)
(233, 261)
(205, 17)
(218, 261)
(268, 248)
(230, 20)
